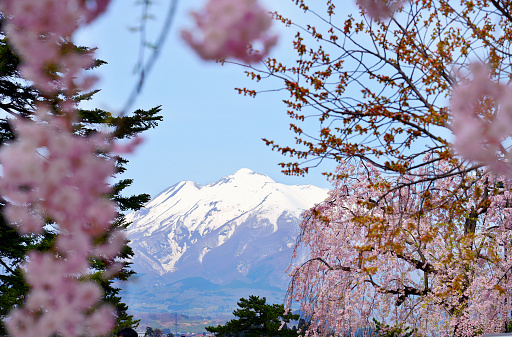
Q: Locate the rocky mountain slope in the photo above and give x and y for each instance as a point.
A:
(239, 230)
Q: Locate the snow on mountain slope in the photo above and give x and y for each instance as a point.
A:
(242, 227)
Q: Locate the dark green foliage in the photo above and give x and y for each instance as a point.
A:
(158, 333)
(508, 327)
(18, 98)
(12, 287)
(13, 249)
(256, 318)
(303, 324)
(384, 330)
(125, 127)
(149, 331)
(167, 332)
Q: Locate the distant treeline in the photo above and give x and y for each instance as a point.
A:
(169, 316)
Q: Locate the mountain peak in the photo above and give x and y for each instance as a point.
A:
(189, 223)
(240, 229)
(244, 171)
(245, 177)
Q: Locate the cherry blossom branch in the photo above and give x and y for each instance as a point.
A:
(49, 174)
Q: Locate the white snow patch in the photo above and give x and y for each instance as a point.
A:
(189, 214)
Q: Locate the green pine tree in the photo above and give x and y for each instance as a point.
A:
(17, 99)
(256, 318)
(149, 332)
(384, 330)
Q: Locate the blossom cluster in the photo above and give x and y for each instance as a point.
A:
(49, 173)
(52, 176)
(399, 249)
(380, 9)
(482, 119)
(227, 28)
(41, 31)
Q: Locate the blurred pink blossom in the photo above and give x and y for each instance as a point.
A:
(41, 30)
(128, 147)
(112, 248)
(228, 28)
(380, 9)
(482, 119)
(51, 173)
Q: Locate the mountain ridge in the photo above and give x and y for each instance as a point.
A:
(241, 228)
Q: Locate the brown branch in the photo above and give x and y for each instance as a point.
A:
(6, 266)
(424, 266)
(502, 10)
(403, 293)
(328, 265)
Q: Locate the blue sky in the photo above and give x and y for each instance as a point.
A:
(209, 130)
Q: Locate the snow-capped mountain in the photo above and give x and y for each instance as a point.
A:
(241, 228)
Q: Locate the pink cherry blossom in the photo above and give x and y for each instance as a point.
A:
(62, 178)
(398, 249)
(101, 321)
(41, 30)
(380, 9)
(50, 173)
(111, 249)
(482, 119)
(227, 28)
(128, 147)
